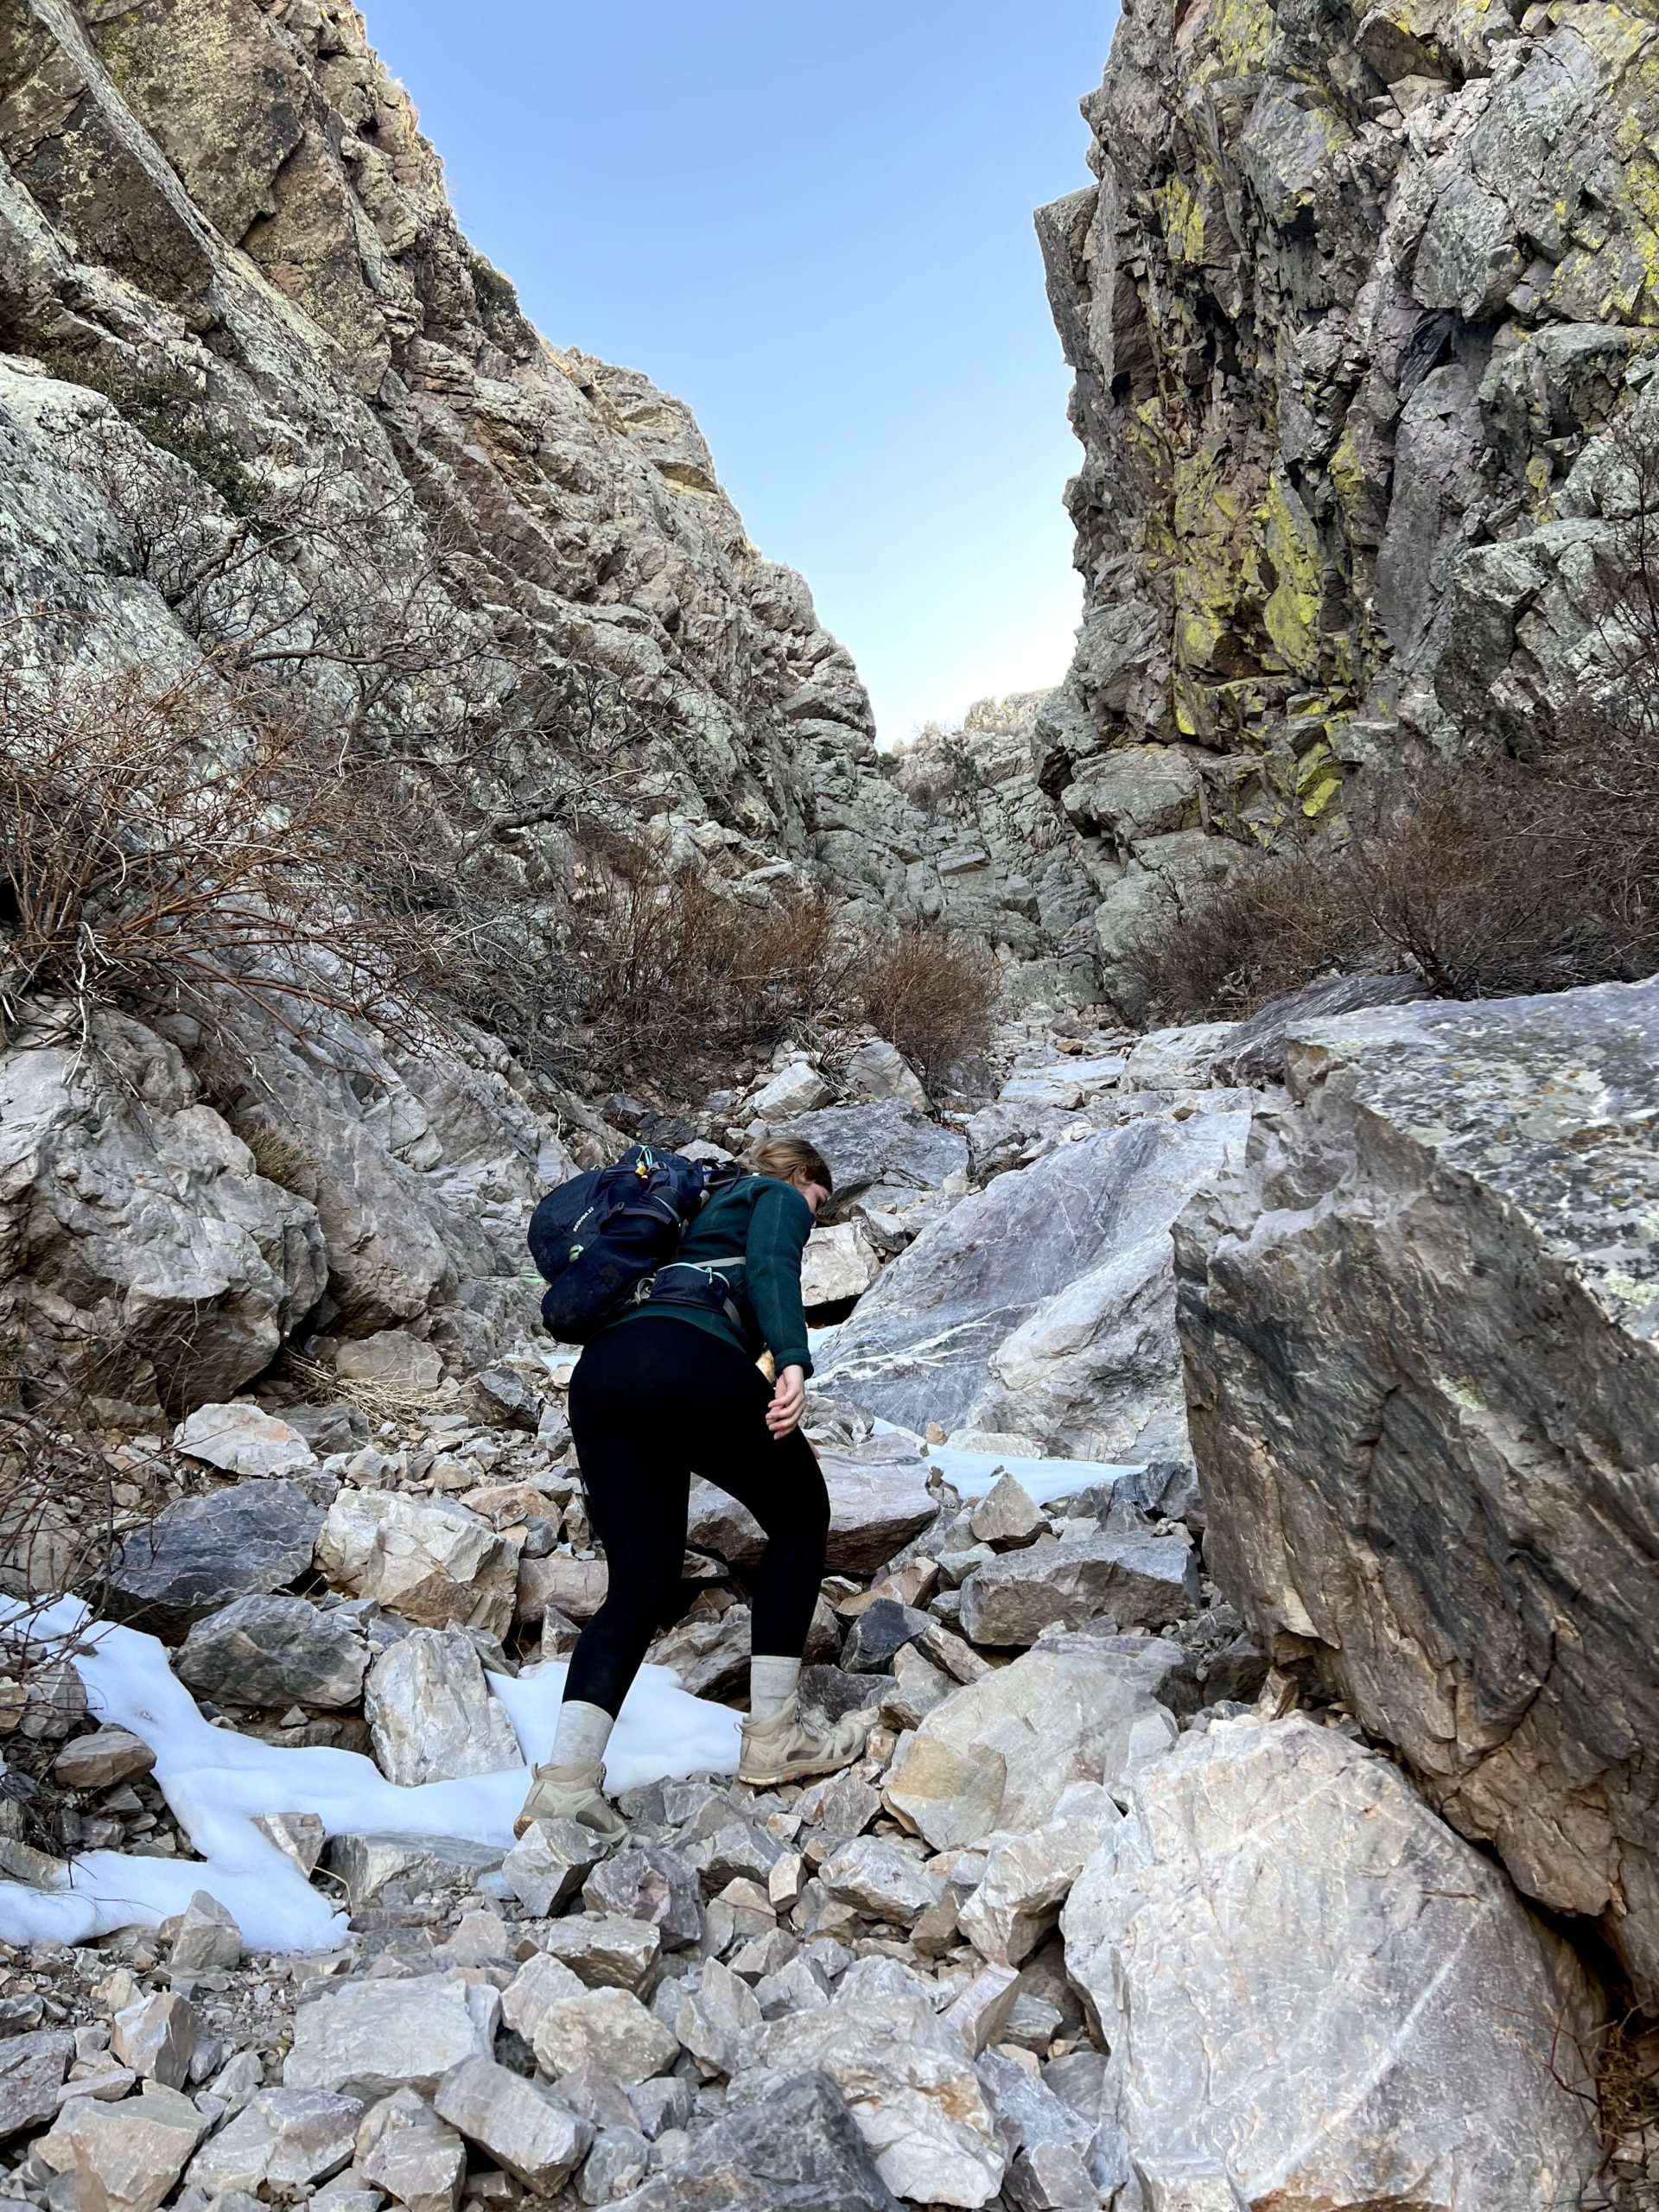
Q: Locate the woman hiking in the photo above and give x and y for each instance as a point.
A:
(672, 1388)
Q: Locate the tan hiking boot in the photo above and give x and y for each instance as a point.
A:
(783, 1748)
(571, 1793)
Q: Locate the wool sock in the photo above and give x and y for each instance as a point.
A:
(581, 1735)
(772, 1684)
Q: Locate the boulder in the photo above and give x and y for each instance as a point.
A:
(156, 2038)
(607, 2028)
(1254, 1053)
(545, 1867)
(560, 1584)
(539, 1984)
(394, 1869)
(393, 1360)
(796, 1089)
(204, 1937)
(879, 1499)
(879, 1070)
(838, 1264)
(908, 2080)
(32, 2067)
(108, 1755)
(368, 2038)
(1044, 1303)
(883, 1153)
(1421, 1329)
(430, 1713)
(406, 2151)
(1063, 1083)
(1006, 1515)
(285, 2141)
(714, 2013)
(520, 2124)
(649, 1884)
(125, 2157)
(1139, 1581)
(199, 1553)
(1175, 1059)
(604, 1950)
(999, 1752)
(1028, 1878)
(795, 2148)
(425, 1558)
(882, 1880)
(144, 1259)
(1316, 1992)
(241, 1439)
(262, 1651)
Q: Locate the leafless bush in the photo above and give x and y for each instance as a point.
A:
(161, 845)
(1229, 949)
(673, 976)
(931, 994)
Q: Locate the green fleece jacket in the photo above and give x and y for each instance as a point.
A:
(767, 1224)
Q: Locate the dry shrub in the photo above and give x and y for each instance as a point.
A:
(161, 847)
(1232, 948)
(673, 976)
(1487, 883)
(931, 994)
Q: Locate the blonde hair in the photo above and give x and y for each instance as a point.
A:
(788, 1157)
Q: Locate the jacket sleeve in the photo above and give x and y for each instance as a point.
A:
(779, 1224)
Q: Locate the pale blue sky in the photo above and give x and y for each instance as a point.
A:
(813, 224)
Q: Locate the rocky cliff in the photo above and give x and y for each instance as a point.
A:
(1362, 310)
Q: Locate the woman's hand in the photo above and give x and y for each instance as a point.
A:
(788, 1402)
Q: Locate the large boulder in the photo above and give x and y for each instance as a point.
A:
(1044, 1304)
(878, 1501)
(1421, 1329)
(885, 1153)
(426, 1558)
(1314, 1993)
(1139, 1581)
(793, 2149)
(275, 1651)
(143, 1259)
(1000, 1753)
(200, 1553)
(430, 1713)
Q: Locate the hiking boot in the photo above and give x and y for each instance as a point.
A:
(784, 1748)
(571, 1793)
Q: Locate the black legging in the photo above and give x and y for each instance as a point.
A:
(651, 1402)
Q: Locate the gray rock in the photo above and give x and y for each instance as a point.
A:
(1280, 1909)
(879, 1634)
(1139, 1581)
(879, 1070)
(403, 2148)
(207, 1937)
(606, 1950)
(430, 1713)
(1045, 1303)
(879, 1500)
(830, 1693)
(1443, 1256)
(796, 1089)
(546, 1866)
(427, 1559)
(1028, 1878)
(522, 2126)
(261, 1650)
(999, 1753)
(606, 2028)
(285, 2140)
(793, 2149)
(108, 1755)
(909, 2082)
(885, 1149)
(540, 1983)
(369, 2038)
(125, 2157)
(32, 2066)
(393, 1869)
(1254, 1053)
(714, 2014)
(199, 1554)
(881, 1879)
(1006, 1516)
(241, 1439)
(156, 2038)
(649, 1884)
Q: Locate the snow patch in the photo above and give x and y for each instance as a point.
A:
(216, 1780)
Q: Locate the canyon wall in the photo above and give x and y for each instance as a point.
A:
(1362, 310)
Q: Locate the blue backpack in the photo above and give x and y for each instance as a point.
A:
(599, 1238)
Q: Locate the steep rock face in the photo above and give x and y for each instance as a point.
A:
(1363, 311)
(1421, 1332)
